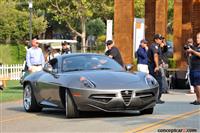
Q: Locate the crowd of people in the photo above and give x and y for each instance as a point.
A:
(36, 58)
(153, 60)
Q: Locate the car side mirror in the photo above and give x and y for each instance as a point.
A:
(128, 67)
(48, 68)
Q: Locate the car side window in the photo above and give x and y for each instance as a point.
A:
(54, 63)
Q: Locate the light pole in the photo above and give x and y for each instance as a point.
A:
(30, 6)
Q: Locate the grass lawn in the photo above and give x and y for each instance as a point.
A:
(12, 92)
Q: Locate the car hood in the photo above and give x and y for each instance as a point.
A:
(112, 79)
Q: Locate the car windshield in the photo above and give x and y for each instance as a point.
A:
(89, 62)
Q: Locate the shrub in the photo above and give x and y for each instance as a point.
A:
(172, 63)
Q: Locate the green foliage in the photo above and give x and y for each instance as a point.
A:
(76, 13)
(170, 16)
(135, 64)
(172, 63)
(170, 37)
(104, 9)
(14, 24)
(96, 27)
(70, 11)
(101, 43)
(12, 53)
(139, 6)
(101, 38)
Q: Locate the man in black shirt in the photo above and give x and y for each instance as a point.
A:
(65, 48)
(113, 52)
(195, 69)
(155, 60)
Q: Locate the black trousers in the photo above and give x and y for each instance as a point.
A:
(158, 77)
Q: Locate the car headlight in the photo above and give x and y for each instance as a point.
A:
(150, 80)
(87, 83)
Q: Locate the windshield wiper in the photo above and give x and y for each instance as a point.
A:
(102, 68)
(77, 69)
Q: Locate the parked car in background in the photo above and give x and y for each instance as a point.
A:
(89, 82)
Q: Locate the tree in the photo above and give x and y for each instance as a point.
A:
(96, 27)
(139, 8)
(170, 16)
(76, 13)
(14, 24)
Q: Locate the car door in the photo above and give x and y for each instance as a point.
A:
(48, 87)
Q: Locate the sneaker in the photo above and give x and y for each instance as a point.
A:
(166, 92)
(195, 102)
(160, 102)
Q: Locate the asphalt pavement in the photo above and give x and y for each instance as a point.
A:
(176, 114)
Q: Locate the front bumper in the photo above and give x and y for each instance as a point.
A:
(118, 100)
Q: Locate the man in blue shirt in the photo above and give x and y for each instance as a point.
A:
(142, 58)
(34, 57)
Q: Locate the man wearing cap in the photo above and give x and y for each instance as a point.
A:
(113, 52)
(34, 57)
(154, 55)
(142, 57)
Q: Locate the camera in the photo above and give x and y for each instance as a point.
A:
(187, 46)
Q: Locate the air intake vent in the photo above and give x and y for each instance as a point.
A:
(105, 98)
(126, 95)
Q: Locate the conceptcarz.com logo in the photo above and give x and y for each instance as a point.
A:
(184, 130)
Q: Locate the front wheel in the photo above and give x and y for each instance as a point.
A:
(70, 106)
(29, 101)
(147, 111)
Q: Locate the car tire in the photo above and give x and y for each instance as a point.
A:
(29, 101)
(70, 106)
(147, 111)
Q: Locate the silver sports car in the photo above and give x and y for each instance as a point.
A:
(89, 82)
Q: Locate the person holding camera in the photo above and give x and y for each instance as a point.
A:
(190, 43)
(195, 68)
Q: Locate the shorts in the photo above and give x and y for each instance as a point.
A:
(195, 77)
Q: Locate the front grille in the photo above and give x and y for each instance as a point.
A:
(145, 95)
(104, 98)
(126, 95)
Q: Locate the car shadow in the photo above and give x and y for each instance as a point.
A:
(60, 113)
